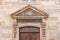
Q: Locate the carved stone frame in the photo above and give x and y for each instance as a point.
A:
(42, 26)
(16, 25)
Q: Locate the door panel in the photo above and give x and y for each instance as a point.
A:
(29, 36)
(24, 36)
(35, 36)
(29, 33)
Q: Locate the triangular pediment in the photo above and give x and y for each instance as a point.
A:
(29, 11)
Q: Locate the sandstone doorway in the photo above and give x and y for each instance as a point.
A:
(29, 16)
(29, 33)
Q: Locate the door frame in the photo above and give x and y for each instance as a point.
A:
(30, 24)
(16, 27)
(39, 15)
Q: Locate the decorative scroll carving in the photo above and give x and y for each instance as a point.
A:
(14, 29)
(43, 29)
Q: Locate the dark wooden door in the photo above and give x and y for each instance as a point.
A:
(24, 36)
(29, 36)
(35, 36)
(29, 33)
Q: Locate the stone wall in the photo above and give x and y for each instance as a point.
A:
(52, 23)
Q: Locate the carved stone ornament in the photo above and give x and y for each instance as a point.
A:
(29, 12)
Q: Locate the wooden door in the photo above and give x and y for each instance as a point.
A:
(29, 34)
(35, 36)
(24, 36)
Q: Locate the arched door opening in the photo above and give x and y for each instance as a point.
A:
(29, 33)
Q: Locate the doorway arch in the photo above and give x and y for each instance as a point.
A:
(29, 33)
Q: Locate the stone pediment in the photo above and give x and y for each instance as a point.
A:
(29, 11)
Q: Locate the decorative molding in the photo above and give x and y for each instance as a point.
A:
(29, 11)
(14, 29)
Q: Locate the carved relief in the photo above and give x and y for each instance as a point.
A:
(29, 12)
(43, 29)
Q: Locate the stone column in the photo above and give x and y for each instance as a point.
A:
(14, 29)
(44, 30)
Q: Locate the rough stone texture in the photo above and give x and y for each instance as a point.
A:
(50, 7)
